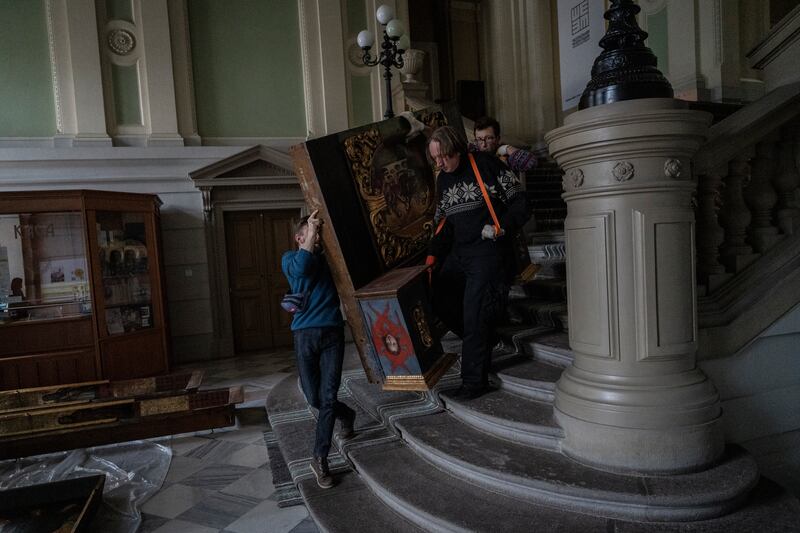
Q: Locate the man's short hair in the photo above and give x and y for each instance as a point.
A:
(487, 122)
(301, 224)
(450, 142)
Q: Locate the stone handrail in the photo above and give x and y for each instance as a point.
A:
(747, 126)
(748, 222)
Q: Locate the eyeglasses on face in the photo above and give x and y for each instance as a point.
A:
(485, 140)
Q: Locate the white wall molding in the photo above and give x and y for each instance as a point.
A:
(322, 51)
(182, 71)
(77, 80)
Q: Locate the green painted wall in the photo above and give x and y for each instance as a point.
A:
(119, 9)
(360, 97)
(127, 106)
(657, 39)
(26, 92)
(247, 68)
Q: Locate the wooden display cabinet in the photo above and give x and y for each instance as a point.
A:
(81, 291)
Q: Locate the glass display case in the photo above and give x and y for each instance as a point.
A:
(80, 288)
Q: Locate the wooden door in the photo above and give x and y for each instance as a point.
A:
(255, 242)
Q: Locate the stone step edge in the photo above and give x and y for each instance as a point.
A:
(404, 508)
(536, 435)
(533, 389)
(577, 499)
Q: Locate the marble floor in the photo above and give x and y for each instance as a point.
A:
(220, 480)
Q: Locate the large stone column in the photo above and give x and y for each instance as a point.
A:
(633, 398)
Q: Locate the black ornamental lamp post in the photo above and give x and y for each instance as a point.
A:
(626, 69)
(395, 42)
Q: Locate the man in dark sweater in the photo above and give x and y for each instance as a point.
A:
(318, 331)
(472, 285)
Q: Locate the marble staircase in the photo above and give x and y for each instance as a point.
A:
(428, 462)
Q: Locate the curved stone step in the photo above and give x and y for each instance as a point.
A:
(437, 501)
(530, 378)
(509, 416)
(550, 348)
(549, 478)
(351, 506)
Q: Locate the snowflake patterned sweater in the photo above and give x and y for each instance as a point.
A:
(460, 200)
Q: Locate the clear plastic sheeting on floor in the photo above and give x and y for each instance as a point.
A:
(134, 471)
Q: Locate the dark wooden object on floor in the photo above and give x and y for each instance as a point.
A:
(66, 427)
(59, 506)
(376, 193)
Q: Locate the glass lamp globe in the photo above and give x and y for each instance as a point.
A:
(365, 39)
(395, 29)
(404, 43)
(384, 14)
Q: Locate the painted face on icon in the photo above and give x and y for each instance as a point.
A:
(391, 343)
(446, 162)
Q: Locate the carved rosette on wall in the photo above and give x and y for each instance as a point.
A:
(623, 171)
(673, 168)
(120, 41)
(574, 177)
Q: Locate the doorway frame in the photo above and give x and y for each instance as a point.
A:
(256, 179)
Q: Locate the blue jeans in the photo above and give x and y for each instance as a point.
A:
(320, 352)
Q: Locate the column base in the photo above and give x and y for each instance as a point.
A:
(641, 451)
(666, 424)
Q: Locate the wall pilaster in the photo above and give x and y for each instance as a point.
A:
(519, 67)
(77, 80)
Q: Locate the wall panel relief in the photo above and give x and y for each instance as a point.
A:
(665, 324)
(590, 245)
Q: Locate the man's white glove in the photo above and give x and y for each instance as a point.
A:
(416, 126)
(489, 233)
(503, 150)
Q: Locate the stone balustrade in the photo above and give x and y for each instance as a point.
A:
(748, 205)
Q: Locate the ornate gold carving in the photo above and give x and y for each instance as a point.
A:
(422, 325)
(433, 119)
(399, 210)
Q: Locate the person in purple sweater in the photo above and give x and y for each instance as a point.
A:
(318, 331)
(487, 140)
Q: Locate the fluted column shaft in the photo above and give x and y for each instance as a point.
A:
(633, 398)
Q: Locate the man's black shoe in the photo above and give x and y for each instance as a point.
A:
(319, 465)
(347, 430)
(470, 393)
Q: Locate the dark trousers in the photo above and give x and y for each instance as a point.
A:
(320, 352)
(470, 296)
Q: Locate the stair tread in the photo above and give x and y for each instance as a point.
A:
(414, 485)
(342, 508)
(508, 409)
(532, 372)
(548, 477)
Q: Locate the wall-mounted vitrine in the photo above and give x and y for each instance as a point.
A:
(81, 294)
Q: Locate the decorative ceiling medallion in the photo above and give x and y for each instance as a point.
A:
(575, 177)
(623, 171)
(673, 168)
(121, 42)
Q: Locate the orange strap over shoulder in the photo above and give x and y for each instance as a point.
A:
(477, 172)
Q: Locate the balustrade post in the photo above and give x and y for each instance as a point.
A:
(761, 196)
(710, 234)
(734, 216)
(787, 181)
